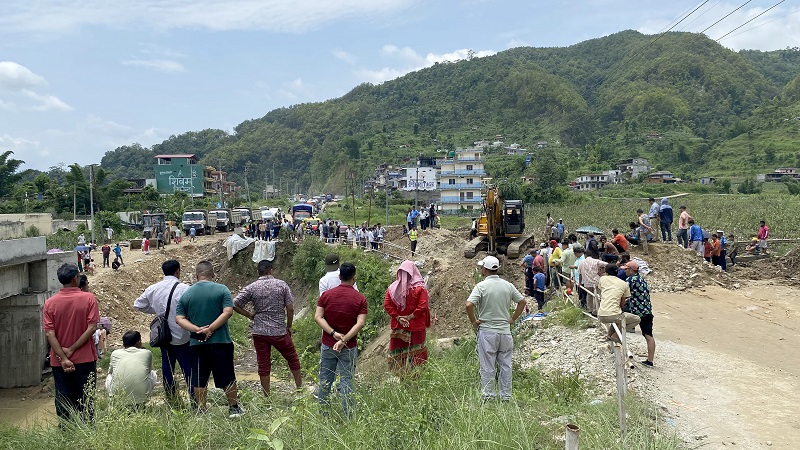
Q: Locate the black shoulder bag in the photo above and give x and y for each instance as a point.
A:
(159, 327)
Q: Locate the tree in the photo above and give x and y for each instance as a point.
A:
(769, 154)
(749, 186)
(8, 169)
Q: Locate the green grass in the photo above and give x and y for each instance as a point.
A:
(735, 214)
(439, 409)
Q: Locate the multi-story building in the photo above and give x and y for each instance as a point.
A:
(461, 180)
(634, 166)
(591, 181)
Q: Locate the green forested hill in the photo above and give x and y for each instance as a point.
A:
(682, 100)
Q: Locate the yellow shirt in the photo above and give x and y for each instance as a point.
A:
(554, 256)
(612, 289)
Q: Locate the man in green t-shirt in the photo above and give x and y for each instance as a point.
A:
(493, 298)
(204, 310)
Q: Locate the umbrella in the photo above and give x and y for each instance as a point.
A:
(589, 229)
(82, 248)
(54, 250)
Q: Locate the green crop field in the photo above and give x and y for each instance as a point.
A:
(735, 214)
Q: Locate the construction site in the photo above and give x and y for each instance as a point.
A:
(725, 374)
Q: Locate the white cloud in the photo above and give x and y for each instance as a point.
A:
(297, 90)
(84, 142)
(22, 148)
(410, 61)
(344, 56)
(158, 65)
(15, 76)
(59, 16)
(46, 102)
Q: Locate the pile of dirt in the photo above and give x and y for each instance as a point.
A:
(452, 276)
(117, 290)
(786, 268)
(677, 269)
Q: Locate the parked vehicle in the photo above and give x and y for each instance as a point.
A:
(246, 215)
(224, 219)
(154, 224)
(301, 212)
(196, 218)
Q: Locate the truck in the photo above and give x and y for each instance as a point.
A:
(153, 224)
(196, 218)
(223, 216)
(246, 214)
(269, 213)
(301, 212)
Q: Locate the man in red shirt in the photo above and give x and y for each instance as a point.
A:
(341, 313)
(69, 320)
(619, 241)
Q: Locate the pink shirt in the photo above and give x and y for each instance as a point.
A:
(69, 314)
(763, 232)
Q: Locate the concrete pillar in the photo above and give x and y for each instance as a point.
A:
(22, 342)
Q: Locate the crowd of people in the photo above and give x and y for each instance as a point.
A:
(200, 344)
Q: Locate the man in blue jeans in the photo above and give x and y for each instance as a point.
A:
(341, 313)
(154, 301)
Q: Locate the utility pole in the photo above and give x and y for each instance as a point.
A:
(265, 187)
(74, 201)
(91, 196)
(386, 191)
(246, 186)
(221, 186)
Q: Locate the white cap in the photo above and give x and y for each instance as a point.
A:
(490, 263)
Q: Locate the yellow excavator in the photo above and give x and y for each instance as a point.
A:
(501, 227)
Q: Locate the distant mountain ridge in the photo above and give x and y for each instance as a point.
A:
(597, 100)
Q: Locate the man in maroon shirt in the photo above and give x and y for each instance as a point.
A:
(69, 320)
(341, 313)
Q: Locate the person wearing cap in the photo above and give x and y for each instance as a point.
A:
(613, 295)
(331, 278)
(492, 322)
(639, 304)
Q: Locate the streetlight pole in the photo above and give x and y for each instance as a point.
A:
(416, 188)
(91, 196)
(246, 185)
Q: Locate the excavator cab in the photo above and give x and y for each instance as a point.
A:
(513, 218)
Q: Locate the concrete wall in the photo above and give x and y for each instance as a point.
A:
(72, 225)
(22, 341)
(15, 225)
(27, 279)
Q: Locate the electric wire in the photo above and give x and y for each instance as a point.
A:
(754, 18)
(761, 25)
(726, 16)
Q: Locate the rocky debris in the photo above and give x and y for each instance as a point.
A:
(675, 268)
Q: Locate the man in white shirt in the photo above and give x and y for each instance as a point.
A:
(131, 377)
(331, 279)
(154, 301)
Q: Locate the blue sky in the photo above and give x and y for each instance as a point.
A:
(79, 78)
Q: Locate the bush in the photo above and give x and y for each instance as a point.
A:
(32, 231)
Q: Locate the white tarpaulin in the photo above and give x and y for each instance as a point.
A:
(235, 244)
(264, 250)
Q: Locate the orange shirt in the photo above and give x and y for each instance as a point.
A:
(715, 247)
(620, 240)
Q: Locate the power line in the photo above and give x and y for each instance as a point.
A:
(765, 23)
(641, 50)
(726, 16)
(701, 15)
(754, 18)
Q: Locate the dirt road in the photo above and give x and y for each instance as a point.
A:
(727, 369)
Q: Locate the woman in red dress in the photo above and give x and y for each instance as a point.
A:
(406, 301)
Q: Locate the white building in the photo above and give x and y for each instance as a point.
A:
(462, 179)
(634, 166)
(592, 181)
